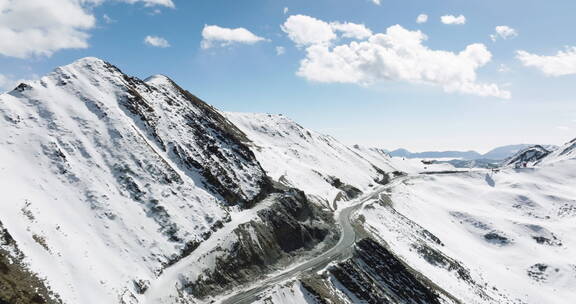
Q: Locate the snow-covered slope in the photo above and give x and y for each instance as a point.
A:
(107, 179)
(486, 237)
(566, 152)
(310, 161)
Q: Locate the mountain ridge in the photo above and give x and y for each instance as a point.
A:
(498, 153)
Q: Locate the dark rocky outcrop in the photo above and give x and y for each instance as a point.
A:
(192, 133)
(529, 156)
(19, 285)
(375, 275)
(284, 231)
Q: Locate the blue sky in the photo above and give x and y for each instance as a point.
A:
(378, 104)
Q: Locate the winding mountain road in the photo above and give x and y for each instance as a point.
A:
(339, 251)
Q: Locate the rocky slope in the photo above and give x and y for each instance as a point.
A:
(527, 157)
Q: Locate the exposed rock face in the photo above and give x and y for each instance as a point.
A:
(529, 156)
(372, 275)
(191, 132)
(19, 285)
(283, 231)
(376, 276)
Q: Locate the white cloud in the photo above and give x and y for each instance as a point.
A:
(351, 30)
(40, 27)
(306, 30)
(504, 32)
(156, 41)
(166, 3)
(213, 35)
(397, 55)
(280, 50)
(451, 19)
(563, 63)
(377, 2)
(422, 18)
(285, 10)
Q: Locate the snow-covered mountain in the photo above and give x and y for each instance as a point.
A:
(315, 163)
(108, 179)
(527, 157)
(566, 152)
(505, 152)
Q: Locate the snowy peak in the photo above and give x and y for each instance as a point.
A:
(527, 157)
(159, 80)
(504, 152)
(187, 130)
(134, 175)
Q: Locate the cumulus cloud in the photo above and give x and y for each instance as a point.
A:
(156, 41)
(280, 50)
(166, 3)
(377, 2)
(396, 55)
(285, 10)
(306, 30)
(40, 27)
(504, 32)
(422, 18)
(352, 30)
(451, 19)
(213, 35)
(563, 63)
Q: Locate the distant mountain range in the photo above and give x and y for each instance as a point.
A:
(498, 153)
